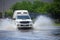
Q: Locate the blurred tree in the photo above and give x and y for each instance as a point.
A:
(24, 5)
(0, 14)
(55, 10)
(36, 6)
(40, 7)
(9, 13)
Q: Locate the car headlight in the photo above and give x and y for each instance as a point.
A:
(17, 24)
(30, 24)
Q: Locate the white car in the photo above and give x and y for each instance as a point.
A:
(22, 19)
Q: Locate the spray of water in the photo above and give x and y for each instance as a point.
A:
(43, 22)
(7, 24)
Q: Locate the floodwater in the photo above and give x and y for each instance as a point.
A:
(8, 31)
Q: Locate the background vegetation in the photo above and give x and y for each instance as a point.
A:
(37, 6)
(0, 14)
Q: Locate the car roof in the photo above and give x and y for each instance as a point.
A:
(21, 11)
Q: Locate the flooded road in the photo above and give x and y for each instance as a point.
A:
(28, 35)
(8, 31)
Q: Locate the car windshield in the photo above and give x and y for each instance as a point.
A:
(23, 17)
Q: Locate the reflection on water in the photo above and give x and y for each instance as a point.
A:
(8, 31)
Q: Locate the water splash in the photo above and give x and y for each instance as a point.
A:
(43, 22)
(7, 24)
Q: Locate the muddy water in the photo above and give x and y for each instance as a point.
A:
(9, 31)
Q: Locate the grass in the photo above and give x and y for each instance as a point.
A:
(57, 24)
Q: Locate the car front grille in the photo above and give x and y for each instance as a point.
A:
(24, 22)
(24, 25)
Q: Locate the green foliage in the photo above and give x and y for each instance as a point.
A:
(9, 13)
(57, 1)
(24, 5)
(0, 14)
(36, 6)
(55, 7)
(55, 10)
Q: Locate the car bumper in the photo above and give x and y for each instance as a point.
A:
(22, 26)
(25, 28)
